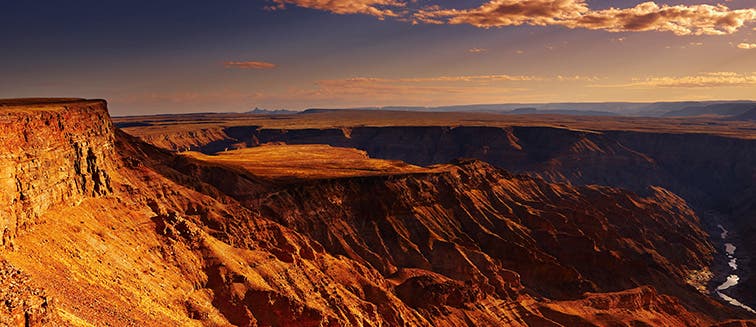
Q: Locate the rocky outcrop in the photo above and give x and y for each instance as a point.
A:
(54, 154)
(20, 303)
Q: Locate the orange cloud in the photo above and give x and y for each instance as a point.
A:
(747, 46)
(680, 19)
(377, 8)
(433, 86)
(701, 19)
(437, 89)
(497, 13)
(467, 78)
(648, 16)
(704, 80)
(249, 65)
(462, 80)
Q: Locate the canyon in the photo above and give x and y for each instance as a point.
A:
(363, 219)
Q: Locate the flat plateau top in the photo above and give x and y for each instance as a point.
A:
(164, 124)
(309, 161)
(33, 101)
(43, 103)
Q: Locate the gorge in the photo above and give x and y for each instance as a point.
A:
(416, 226)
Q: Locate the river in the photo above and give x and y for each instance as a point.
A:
(732, 278)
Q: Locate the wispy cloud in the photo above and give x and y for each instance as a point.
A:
(416, 89)
(377, 8)
(426, 90)
(477, 50)
(462, 79)
(249, 65)
(467, 78)
(700, 19)
(704, 80)
(747, 46)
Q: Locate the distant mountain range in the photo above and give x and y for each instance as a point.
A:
(258, 111)
(748, 115)
(720, 109)
(654, 109)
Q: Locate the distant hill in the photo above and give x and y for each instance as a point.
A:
(638, 109)
(748, 115)
(720, 109)
(534, 111)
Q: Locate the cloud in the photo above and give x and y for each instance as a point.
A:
(249, 65)
(436, 89)
(680, 19)
(377, 8)
(695, 19)
(416, 90)
(484, 79)
(497, 13)
(700, 19)
(477, 50)
(704, 80)
(468, 78)
(747, 46)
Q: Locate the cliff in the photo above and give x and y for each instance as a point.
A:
(54, 153)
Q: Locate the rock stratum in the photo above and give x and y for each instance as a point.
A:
(103, 229)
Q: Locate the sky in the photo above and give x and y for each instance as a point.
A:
(149, 57)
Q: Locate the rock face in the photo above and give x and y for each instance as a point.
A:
(716, 175)
(112, 230)
(480, 225)
(54, 154)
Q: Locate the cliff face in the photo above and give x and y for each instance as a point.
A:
(480, 225)
(461, 242)
(53, 155)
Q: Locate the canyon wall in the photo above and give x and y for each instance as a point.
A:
(480, 223)
(709, 171)
(715, 175)
(54, 154)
